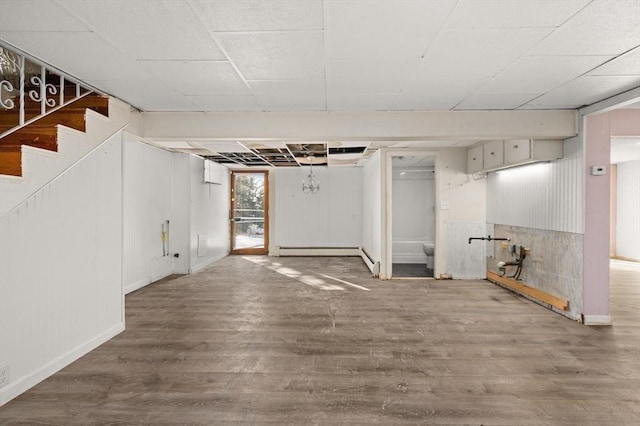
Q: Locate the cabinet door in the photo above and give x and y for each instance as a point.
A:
(517, 151)
(493, 153)
(474, 159)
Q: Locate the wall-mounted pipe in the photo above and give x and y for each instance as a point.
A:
(488, 238)
(519, 254)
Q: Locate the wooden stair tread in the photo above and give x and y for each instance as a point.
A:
(43, 133)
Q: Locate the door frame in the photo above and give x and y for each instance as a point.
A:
(262, 250)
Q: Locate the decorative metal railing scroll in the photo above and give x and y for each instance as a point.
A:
(29, 90)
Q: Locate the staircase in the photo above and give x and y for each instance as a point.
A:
(43, 133)
(37, 153)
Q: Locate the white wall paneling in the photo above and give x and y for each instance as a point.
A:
(148, 204)
(181, 214)
(209, 216)
(543, 196)
(628, 211)
(372, 207)
(330, 218)
(61, 270)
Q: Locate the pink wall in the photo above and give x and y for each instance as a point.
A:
(596, 235)
(599, 129)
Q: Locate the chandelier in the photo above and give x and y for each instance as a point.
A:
(311, 185)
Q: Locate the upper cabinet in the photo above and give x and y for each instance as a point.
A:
(493, 154)
(474, 159)
(502, 154)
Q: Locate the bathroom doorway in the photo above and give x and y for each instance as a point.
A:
(413, 216)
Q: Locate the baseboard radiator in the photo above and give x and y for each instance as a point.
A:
(316, 251)
(373, 265)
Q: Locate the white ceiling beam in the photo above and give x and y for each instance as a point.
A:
(330, 126)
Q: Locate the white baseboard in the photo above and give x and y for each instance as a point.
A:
(596, 319)
(25, 383)
(316, 251)
(202, 265)
(373, 265)
(136, 286)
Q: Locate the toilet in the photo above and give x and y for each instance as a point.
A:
(429, 250)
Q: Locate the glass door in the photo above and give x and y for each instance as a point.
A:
(249, 207)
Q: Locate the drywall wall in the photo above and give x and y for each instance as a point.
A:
(628, 211)
(372, 206)
(61, 270)
(413, 214)
(148, 205)
(461, 211)
(209, 217)
(330, 218)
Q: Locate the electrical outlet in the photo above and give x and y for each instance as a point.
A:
(444, 205)
(4, 375)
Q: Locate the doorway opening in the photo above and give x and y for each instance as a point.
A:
(413, 216)
(249, 212)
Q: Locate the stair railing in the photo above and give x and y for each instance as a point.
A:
(30, 89)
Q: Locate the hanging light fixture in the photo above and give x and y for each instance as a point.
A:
(311, 185)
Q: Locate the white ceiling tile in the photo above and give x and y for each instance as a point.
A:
(260, 15)
(148, 94)
(627, 64)
(225, 103)
(199, 77)
(470, 53)
(361, 101)
(382, 29)
(290, 95)
(495, 101)
(99, 60)
(513, 13)
(584, 90)
(276, 55)
(366, 76)
(159, 29)
(539, 74)
(604, 27)
(434, 94)
(40, 15)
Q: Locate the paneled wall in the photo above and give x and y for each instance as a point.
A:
(61, 270)
(209, 216)
(628, 211)
(542, 196)
(330, 218)
(371, 200)
(148, 205)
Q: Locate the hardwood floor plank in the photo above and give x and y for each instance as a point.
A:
(258, 340)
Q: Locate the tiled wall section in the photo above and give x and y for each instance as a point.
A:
(554, 264)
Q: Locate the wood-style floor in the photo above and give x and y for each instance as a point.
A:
(302, 341)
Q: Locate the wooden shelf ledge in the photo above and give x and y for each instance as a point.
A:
(523, 289)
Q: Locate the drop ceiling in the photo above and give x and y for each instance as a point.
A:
(336, 55)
